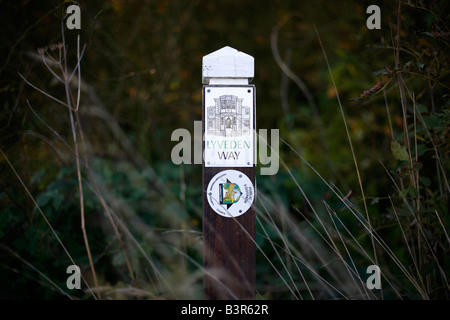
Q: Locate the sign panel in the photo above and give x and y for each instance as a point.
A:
(229, 126)
(230, 193)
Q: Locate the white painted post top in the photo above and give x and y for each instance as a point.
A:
(227, 66)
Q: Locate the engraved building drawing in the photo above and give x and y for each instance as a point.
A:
(228, 118)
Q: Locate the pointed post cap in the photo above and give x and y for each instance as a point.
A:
(227, 66)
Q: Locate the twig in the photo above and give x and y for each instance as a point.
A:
(77, 159)
(43, 92)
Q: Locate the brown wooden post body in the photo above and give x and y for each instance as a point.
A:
(229, 242)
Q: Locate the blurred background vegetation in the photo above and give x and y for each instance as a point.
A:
(141, 79)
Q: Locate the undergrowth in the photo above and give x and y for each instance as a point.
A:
(134, 227)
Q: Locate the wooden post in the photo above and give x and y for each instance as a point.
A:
(228, 165)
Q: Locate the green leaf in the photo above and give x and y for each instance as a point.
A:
(425, 181)
(421, 149)
(399, 151)
(44, 198)
(421, 108)
(57, 200)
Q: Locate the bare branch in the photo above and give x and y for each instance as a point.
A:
(43, 92)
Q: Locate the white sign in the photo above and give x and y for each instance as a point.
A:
(229, 126)
(230, 193)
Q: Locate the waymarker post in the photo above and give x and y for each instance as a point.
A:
(229, 189)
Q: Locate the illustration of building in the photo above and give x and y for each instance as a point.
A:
(228, 118)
